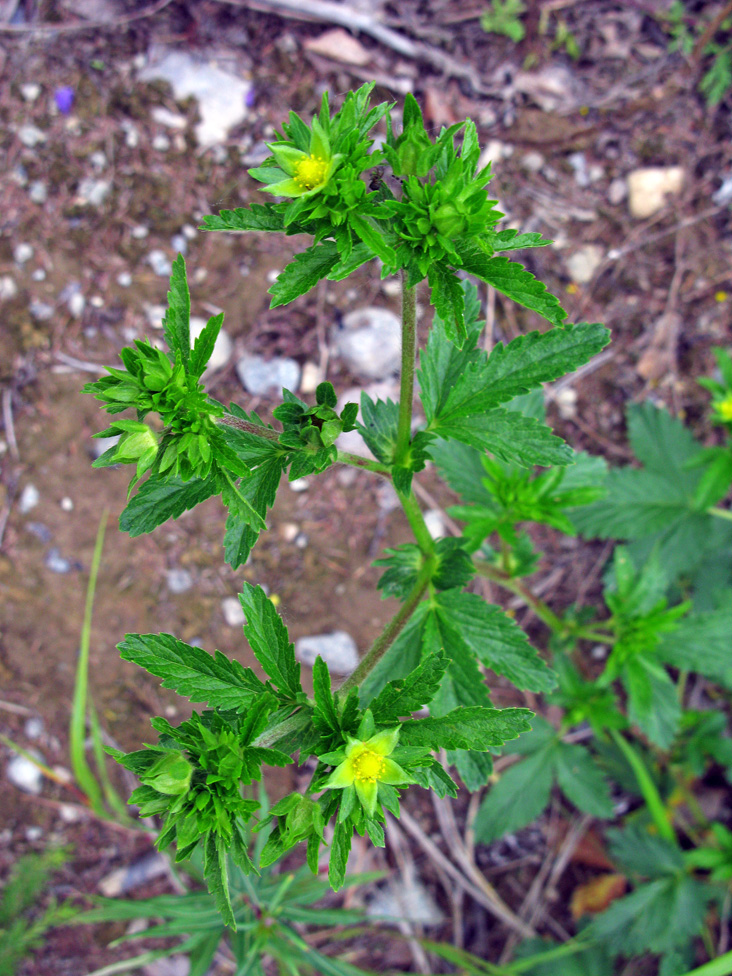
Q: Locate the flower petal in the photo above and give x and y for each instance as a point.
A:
(384, 742)
(394, 775)
(287, 188)
(341, 777)
(287, 156)
(367, 791)
(319, 145)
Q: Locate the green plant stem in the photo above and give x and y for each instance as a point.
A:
(406, 390)
(294, 723)
(652, 797)
(392, 630)
(722, 966)
(344, 457)
(417, 523)
(723, 513)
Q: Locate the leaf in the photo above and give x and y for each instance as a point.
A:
(597, 895)
(339, 851)
(581, 781)
(359, 255)
(495, 639)
(216, 875)
(462, 468)
(406, 695)
(449, 302)
(653, 702)
(656, 917)
(508, 435)
(519, 796)
(511, 240)
(256, 217)
(324, 704)
(663, 444)
(639, 853)
(379, 427)
(192, 672)
(373, 237)
(204, 345)
(269, 640)
(160, 499)
(467, 727)
(177, 317)
(401, 658)
(512, 280)
(260, 488)
(523, 365)
(303, 273)
(701, 642)
(441, 363)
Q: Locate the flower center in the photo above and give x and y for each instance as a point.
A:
(309, 172)
(368, 766)
(725, 408)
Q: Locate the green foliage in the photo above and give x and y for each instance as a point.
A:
(684, 28)
(504, 17)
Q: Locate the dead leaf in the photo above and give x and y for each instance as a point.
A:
(438, 108)
(339, 45)
(591, 852)
(659, 359)
(597, 895)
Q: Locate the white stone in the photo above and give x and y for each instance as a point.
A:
(532, 161)
(93, 192)
(132, 134)
(369, 342)
(25, 775)
(649, 188)
(578, 162)
(67, 504)
(223, 347)
(98, 160)
(264, 377)
(23, 253)
(221, 95)
(154, 315)
(723, 195)
(299, 485)
(583, 264)
(101, 444)
(38, 274)
(29, 498)
(33, 834)
(30, 91)
(160, 263)
(312, 377)
(76, 304)
(232, 611)
(189, 231)
(171, 120)
(179, 580)
(289, 531)
(8, 288)
(405, 897)
(435, 522)
(161, 143)
(34, 727)
(41, 311)
(179, 243)
(566, 401)
(391, 287)
(140, 232)
(338, 650)
(617, 191)
(31, 136)
(38, 192)
(124, 279)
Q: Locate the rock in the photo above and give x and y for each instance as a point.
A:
(154, 315)
(233, 613)
(67, 504)
(38, 192)
(8, 288)
(161, 143)
(435, 522)
(369, 342)
(405, 897)
(171, 120)
(583, 264)
(30, 91)
(98, 160)
(179, 580)
(22, 253)
(31, 136)
(34, 727)
(40, 311)
(339, 45)
(177, 965)
(221, 95)
(25, 775)
(93, 193)
(617, 191)
(299, 485)
(338, 650)
(552, 87)
(566, 401)
(41, 531)
(289, 531)
(56, 562)
(578, 162)
(223, 347)
(262, 377)
(179, 243)
(387, 498)
(101, 444)
(76, 304)
(648, 188)
(29, 498)
(189, 231)
(33, 834)
(532, 162)
(122, 880)
(140, 232)
(39, 274)
(312, 377)
(124, 279)
(132, 134)
(160, 263)
(723, 195)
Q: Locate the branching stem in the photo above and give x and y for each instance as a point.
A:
(406, 391)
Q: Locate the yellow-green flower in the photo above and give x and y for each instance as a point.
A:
(298, 173)
(366, 764)
(724, 408)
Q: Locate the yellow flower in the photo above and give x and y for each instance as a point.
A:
(724, 408)
(366, 764)
(298, 173)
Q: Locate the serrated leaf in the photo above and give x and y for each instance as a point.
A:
(653, 702)
(462, 468)
(324, 704)
(401, 658)
(176, 320)
(256, 217)
(638, 852)
(269, 640)
(359, 255)
(449, 302)
(406, 695)
(494, 639)
(467, 727)
(441, 363)
(519, 796)
(373, 237)
(192, 672)
(304, 272)
(216, 875)
(204, 345)
(260, 488)
(379, 427)
(339, 851)
(581, 781)
(512, 280)
(701, 642)
(511, 240)
(507, 435)
(158, 500)
(663, 444)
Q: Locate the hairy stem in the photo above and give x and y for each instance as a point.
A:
(392, 630)
(406, 390)
(344, 457)
(266, 432)
(417, 523)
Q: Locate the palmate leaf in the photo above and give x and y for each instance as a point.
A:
(508, 435)
(653, 701)
(379, 427)
(176, 321)
(270, 642)
(519, 796)
(701, 642)
(448, 299)
(581, 781)
(160, 499)
(467, 727)
(256, 217)
(192, 672)
(403, 696)
(304, 272)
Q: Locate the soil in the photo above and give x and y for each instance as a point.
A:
(625, 103)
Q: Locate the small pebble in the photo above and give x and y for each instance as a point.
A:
(233, 613)
(101, 444)
(179, 243)
(273, 275)
(435, 523)
(33, 834)
(124, 279)
(263, 377)
(31, 136)
(578, 162)
(289, 531)
(98, 160)
(139, 232)
(617, 191)
(160, 263)
(122, 880)
(189, 231)
(301, 541)
(67, 504)
(23, 253)
(39, 274)
(93, 192)
(173, 120)
(96, 301)
(223, 347)
(337, 649)
(369, 342)
(40, 531)
(34, 727)
(312, 377)
(300, 484)
(30, 91)
(391, 287)
(56, 562)
(69, 814)
(40, 311)
(8, 288)
(132, 135)
(29, 498)
(76, 304)
(154, 315)
(161, 143)
(38, 191)
(179, 580)
(25, 775)
(19, 175)
(532, 162)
